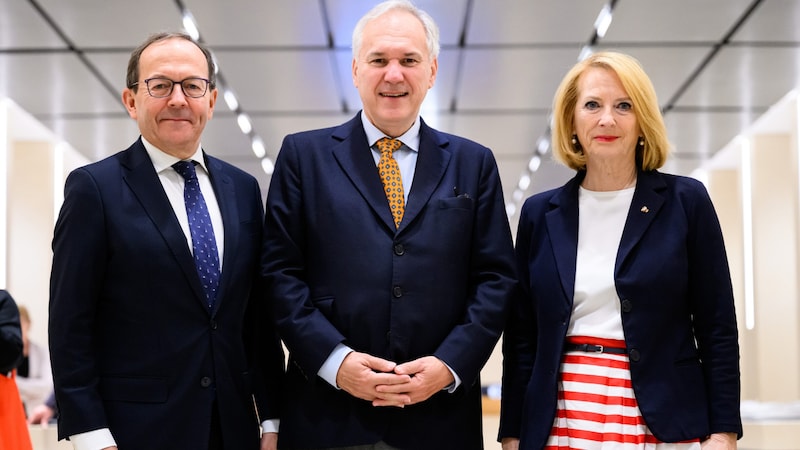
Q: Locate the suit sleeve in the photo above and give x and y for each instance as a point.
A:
(491, 280)
(300, 323)
(263, 345)
(79, 257)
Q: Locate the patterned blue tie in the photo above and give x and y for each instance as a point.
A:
(204, 246)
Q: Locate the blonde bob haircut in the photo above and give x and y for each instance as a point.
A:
(640, 90)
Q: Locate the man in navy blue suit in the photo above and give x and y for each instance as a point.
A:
(153, 347)
(389, 313)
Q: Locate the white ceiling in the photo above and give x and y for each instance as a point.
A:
(717, 65)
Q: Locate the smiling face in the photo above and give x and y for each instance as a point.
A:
(604, 122)
(393, 71)
(174, 123)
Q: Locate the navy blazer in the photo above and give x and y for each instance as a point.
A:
(678, 318)
(340, 273)
(133, 343)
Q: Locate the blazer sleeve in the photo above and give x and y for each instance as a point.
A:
(714, 315)
(519, 346)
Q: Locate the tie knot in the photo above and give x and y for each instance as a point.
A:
(388, 145)
(186, 169)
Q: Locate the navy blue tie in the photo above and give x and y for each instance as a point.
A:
(204, 246)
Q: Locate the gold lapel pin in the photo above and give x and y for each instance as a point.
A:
(645, 209)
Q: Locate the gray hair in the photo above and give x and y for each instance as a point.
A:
(431, 29)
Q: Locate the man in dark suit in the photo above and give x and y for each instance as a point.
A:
(389, 312)
(159, 335)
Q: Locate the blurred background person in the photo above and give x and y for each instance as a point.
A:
(625, 336)
(34, 376)
(13, 429)
(44, 413)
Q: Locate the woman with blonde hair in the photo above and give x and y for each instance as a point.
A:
(624, 335)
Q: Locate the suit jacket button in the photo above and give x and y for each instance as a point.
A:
(627, 305)
(399, 250)
(397, 292)
(634, 355)
(213, 324)
(205, 382)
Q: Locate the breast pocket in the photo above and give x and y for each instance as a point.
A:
(460, 202)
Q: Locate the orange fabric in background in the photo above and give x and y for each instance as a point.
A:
(13, 427)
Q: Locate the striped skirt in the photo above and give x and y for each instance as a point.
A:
(596, 405)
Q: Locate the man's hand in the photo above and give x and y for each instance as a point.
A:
(360, 374)
(510, 443)
(269, 441)
(427, 376)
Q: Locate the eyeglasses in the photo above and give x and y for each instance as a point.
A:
(193, 87)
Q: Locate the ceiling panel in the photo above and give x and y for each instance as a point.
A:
(249, 23)
(745, 78)
(512, 78)
(674, 20)
(48, 84)
(289, 63)
(110, 23)
(279, 80)
(773, 21)
(564, 22)
(21, 27)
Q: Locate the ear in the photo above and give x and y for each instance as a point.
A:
(434, 71)
(129, 100)
(355, 73)
(211, 102)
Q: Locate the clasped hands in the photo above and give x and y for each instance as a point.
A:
(386, 383)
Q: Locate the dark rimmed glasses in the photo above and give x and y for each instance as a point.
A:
(159, 87)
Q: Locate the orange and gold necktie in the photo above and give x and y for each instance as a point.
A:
(390, 175)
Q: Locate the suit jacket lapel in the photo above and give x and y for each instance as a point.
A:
(562, 226)
(352, 153)
(432, 162)
(646, 203)
(143, 180)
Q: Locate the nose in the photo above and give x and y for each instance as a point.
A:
(394, 72)
(177, 97)
(607, 117)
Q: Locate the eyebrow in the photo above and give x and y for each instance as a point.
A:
(383, 54)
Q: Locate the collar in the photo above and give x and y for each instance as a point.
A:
(410, 138)
(162, 160)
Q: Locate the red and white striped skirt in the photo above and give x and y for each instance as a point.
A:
(596, 405)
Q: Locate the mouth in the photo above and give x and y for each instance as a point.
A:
(606, 138)
(393, 94)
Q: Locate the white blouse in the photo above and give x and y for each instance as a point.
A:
(601, 219)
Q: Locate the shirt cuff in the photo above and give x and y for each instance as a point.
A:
(270, 426)
(93, 440)
(331, 365)
(452, 388)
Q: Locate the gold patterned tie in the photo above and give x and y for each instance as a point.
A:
(390, 175)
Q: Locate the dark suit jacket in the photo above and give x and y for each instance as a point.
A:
(340, 273)
(133, 344)
(677, 306)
